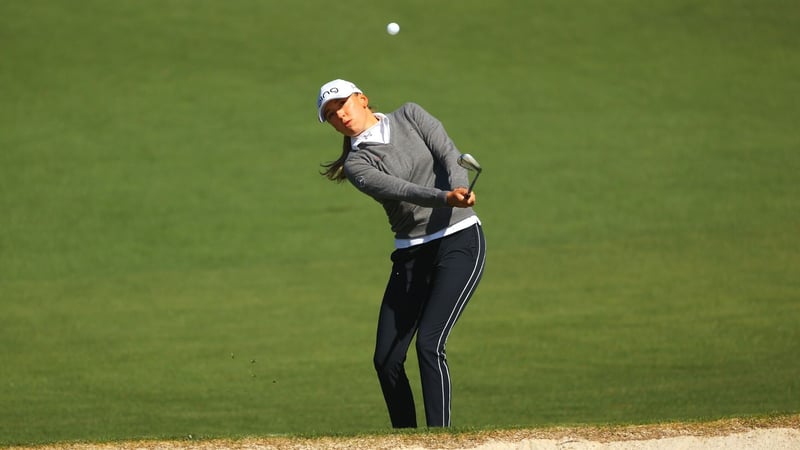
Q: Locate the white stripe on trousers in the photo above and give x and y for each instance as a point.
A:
(469, 288)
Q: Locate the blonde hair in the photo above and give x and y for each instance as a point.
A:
(334, 170)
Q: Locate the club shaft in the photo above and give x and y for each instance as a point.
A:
(471, 185)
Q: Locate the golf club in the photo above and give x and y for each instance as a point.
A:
(469, 162)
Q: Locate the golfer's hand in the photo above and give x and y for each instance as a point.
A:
(457, 198)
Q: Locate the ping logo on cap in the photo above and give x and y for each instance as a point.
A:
(333, 90)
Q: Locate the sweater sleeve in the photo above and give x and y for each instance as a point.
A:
(367, 178)
(438, 141)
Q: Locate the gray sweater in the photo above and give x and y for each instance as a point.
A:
(411, 175)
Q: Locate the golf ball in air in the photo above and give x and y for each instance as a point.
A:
(393, 28)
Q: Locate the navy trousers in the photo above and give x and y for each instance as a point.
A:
(427, 292)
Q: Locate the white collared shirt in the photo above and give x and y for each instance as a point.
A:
(378, 133)
(452, 229)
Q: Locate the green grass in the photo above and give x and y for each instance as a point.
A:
(172, 264)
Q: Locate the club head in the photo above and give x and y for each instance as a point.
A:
(469, 162)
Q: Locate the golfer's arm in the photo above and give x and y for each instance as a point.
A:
(382, 186)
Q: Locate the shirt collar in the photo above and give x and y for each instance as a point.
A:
(376, 134)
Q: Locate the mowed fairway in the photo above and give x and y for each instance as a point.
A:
(172, 264)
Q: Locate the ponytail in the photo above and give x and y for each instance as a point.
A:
(334, 170)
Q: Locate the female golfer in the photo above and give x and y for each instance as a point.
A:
(406, 161)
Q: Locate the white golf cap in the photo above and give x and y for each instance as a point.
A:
(333, 90)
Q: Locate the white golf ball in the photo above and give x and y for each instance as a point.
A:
(393, 28)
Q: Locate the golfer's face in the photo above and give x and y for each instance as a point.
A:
(349, 116)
